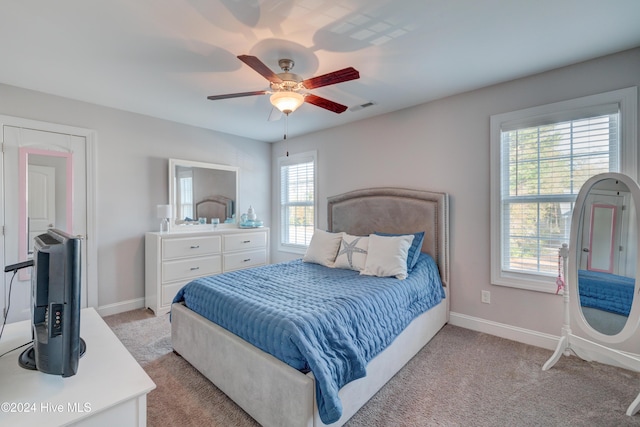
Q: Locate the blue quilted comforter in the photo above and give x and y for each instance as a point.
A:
(331, 321)
(605, 291)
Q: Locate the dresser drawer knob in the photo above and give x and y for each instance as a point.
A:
(195, 247)
(195, 268)
(246, 241)
(247, 260)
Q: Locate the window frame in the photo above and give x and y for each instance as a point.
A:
(556, 112)
(289, 160)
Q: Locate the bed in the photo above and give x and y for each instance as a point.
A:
(277, 394)
(606, 291)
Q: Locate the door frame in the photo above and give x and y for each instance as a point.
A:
(90, 239)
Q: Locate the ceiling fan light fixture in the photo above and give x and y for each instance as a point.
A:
(287, 102)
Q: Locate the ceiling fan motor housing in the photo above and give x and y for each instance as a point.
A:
(286, 64)
(291, 82)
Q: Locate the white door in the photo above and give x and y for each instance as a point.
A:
(41, 201)
(70, 206)
(605, 230)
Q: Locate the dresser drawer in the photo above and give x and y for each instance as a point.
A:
(239, 242)
(169, 291)
(190, 247)
(190, 268)
(245, 259)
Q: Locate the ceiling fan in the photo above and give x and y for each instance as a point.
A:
(287, 88)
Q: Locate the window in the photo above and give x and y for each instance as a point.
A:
(185, 191)
(540, 159)
(297, 201)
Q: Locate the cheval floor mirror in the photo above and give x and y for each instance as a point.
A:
(601, 312)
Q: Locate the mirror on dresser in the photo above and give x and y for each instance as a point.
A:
(200, 192)
(601, 307)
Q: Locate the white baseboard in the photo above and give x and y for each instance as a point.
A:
(120, 307)
(502, 330)
(526, 336)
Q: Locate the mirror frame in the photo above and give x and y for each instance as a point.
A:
(173, 163)
(633, 321)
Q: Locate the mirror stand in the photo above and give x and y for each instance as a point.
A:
(585, 349)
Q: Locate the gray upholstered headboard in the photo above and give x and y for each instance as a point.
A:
(214, 207)
(396, 210)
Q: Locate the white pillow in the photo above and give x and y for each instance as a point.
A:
(353, 252)
(323, 248)
(387, 256)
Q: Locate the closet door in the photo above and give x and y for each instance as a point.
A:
(41, 194)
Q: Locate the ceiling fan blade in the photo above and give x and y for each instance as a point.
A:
(274, 115)
(260, 68)
(339, 76)
(237, 95)
(325, 103)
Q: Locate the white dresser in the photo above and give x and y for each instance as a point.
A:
(174, 259)
(110, 388)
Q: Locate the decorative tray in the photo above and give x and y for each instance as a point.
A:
(251, 224)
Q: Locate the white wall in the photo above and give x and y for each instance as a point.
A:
(132, 178)
(444, 146)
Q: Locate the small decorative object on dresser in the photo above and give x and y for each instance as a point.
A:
(164, 214)
(251, 214)
(174, 259)
(250, 219)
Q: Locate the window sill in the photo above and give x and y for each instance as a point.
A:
(299, 250)
(526, 282)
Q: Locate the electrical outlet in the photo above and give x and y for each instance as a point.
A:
(486, 297)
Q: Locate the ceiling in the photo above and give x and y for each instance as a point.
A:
(163, 58)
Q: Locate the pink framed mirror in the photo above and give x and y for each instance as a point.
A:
(45, 196)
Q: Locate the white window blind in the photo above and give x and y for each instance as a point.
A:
(297, 200)
(186, 196)
(543, 169)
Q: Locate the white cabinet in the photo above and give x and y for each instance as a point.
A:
(109, 389)
(174, 259)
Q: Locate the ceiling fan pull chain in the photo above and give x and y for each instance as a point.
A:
(286, 130)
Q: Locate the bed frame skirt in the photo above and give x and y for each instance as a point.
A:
(272, 392)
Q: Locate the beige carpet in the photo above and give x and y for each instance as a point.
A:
(461, 378)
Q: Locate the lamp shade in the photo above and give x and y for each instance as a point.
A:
(164, 211)
(286, 101)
